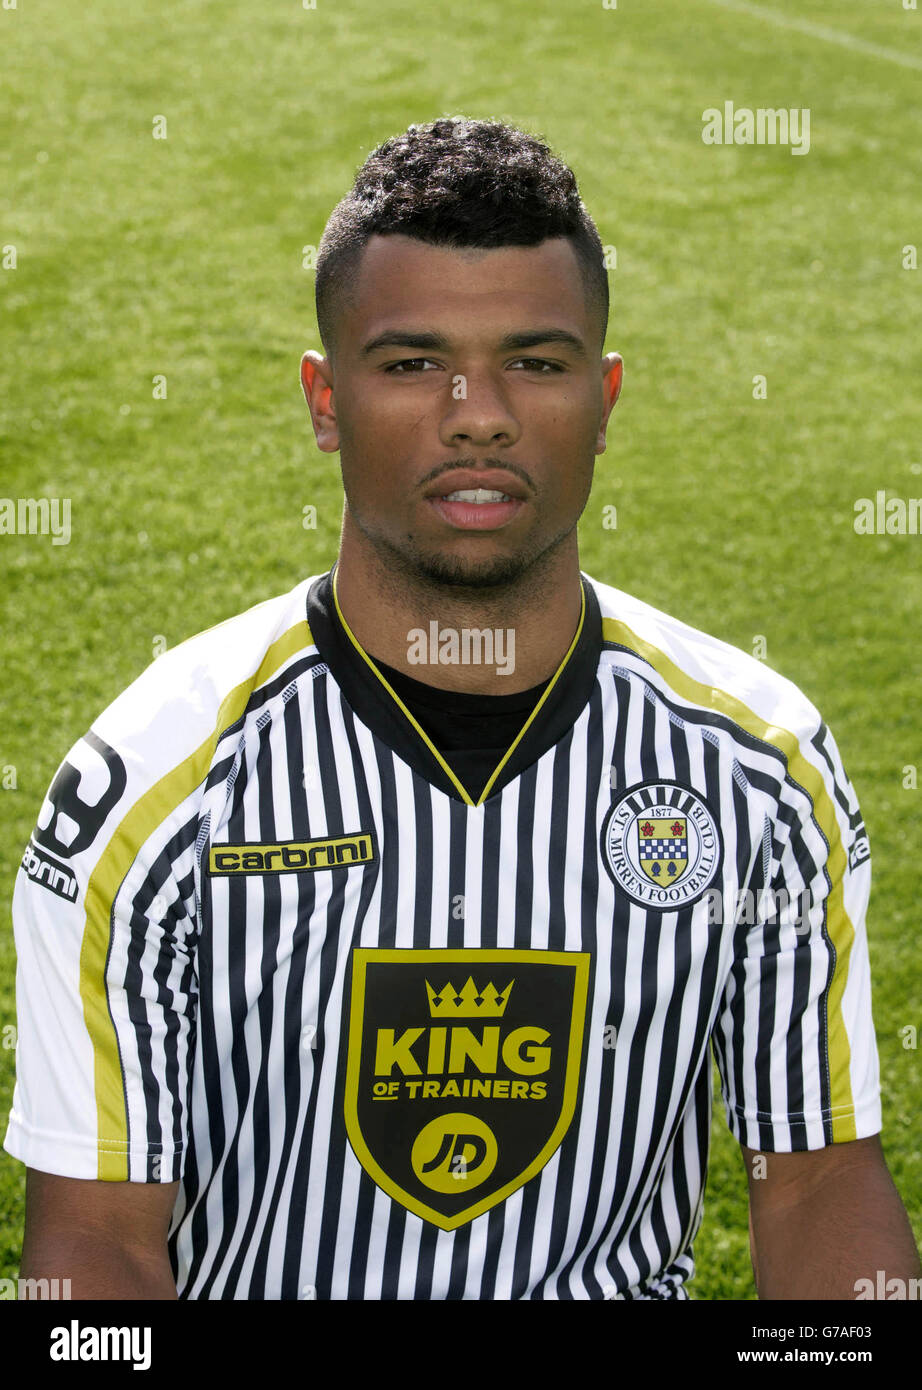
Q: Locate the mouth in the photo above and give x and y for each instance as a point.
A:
(478, 508)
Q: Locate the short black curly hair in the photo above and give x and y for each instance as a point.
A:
(458, 182)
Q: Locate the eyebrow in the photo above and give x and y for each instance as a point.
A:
(439, 343)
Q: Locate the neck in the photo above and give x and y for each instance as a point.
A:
(523, 630)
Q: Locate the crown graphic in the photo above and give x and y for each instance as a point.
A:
(469, 1001)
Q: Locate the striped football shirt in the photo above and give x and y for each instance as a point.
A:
(398, 1040)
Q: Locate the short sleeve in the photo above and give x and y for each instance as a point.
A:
(104, 915)
(794, 1039)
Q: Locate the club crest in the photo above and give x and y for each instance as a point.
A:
(661, 845)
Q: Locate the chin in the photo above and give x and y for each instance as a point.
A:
(453, 572)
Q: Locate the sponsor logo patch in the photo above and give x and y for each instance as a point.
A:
(292, 856)
(661, 845)
(463, 1071)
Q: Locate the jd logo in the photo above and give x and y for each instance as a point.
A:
(462, 1073)
(467, 1157)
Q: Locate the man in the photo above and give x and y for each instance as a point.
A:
(371, 943)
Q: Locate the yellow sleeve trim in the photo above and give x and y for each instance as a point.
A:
(114, 863)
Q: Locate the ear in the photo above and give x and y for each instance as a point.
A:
(317, 384)
(612, 377)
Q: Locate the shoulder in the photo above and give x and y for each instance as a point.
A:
(133, 778)
(203, 684)
(731, 695)
(695, 669)
(154, 745)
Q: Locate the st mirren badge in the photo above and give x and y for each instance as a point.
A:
(661, 845)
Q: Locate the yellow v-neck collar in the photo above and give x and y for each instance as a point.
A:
(449, 773)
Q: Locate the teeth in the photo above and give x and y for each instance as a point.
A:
(477, 494)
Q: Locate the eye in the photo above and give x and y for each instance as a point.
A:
(398, 368)
(537, 363)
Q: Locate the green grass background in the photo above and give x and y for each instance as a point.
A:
(183, 257)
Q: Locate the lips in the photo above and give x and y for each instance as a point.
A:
(476, 516)
(496, 480)
(488, 500)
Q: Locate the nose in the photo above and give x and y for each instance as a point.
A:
(478, 412)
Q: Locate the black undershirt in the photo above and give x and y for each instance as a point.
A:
(472, 732)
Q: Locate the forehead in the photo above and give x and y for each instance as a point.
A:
(402, 280)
